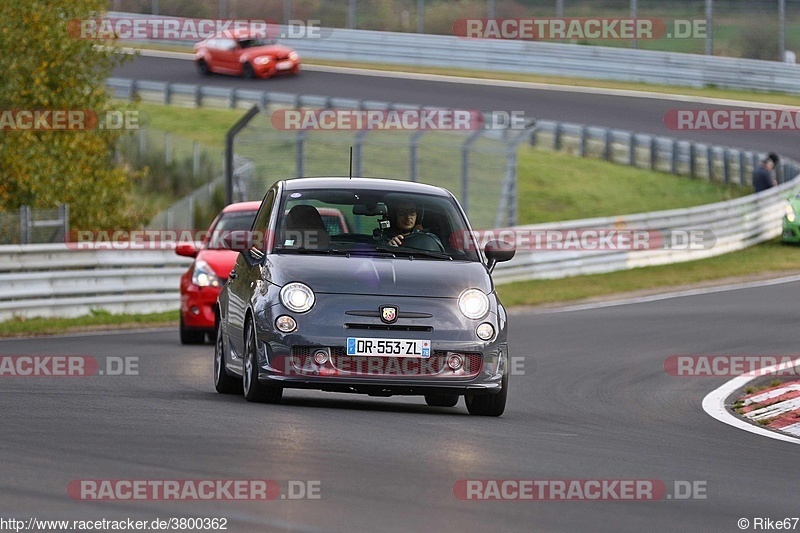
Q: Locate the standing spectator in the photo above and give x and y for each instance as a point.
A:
(764, 176)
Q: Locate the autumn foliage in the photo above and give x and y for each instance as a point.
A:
(44, 68)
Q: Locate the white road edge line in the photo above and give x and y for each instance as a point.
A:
(497, 83)
(714, 403)
(657, 297)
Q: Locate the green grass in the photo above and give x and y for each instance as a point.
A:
(552, 186)
(97, 320)
(768, 259)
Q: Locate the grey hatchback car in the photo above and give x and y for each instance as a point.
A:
(401, 304)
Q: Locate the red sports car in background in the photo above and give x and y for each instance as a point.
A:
(201, 284)
(244, 53)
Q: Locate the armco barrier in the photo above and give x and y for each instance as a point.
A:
(549, 59)
(53, 280)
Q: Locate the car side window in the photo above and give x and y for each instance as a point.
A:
(261, 224)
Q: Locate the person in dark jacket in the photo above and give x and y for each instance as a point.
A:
(764, 175)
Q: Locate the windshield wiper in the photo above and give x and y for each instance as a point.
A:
(413, 252)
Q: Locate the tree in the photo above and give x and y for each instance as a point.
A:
(47, 67)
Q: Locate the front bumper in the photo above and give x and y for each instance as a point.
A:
(197, 306)
(286, 360)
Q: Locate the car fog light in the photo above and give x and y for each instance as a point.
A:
(320, 357)
(455, 361)
(485, 331)
(285, 323)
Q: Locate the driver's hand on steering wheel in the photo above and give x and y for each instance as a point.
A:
(397, 240)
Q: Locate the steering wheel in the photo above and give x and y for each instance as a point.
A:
(423, 241)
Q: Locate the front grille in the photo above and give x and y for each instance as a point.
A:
(342, 365)
(389, 327)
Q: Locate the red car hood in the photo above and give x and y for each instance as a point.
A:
(221, 261)
(269, 50)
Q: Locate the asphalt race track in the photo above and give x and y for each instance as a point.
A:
(591, 400)
(643, 115)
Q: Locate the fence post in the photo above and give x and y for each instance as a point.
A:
(63, 214)
(674, 162)
(726, 165)
(632, 150)
(582, 142)
(168, 148)
(653, 152)
(300, 155)
(413, 154)
(195, 159)
(742, 180)
(557, 137)
(607, 147)
(692, 157)
(465, 168)
(24, 224)
(710, 162)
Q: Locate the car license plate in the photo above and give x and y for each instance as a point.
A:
(284, 65)
(388, 347)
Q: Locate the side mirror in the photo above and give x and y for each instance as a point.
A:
(499, 251)
(186, 249)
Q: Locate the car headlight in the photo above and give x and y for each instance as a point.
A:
(473, 304)
(791, 216)
(297, 297)
(263, 60)
(294, 56)
(204, 276)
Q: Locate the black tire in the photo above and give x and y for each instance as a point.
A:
(248, 71)
(191, 336)
(441, 400)
(254, 390)
(202, 68)
(223, 382)
(488, 404)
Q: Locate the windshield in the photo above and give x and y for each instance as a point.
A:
(377, 223)
(231, 221)
(251, 43)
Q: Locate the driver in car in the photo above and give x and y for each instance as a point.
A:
(403, 218)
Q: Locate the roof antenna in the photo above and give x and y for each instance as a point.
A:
(351, 162)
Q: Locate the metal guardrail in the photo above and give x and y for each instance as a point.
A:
(735, 224)
(542, 58)
(147, 281)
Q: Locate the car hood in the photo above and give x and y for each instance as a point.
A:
(376, 275)
(268, 50)
(221, 261)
